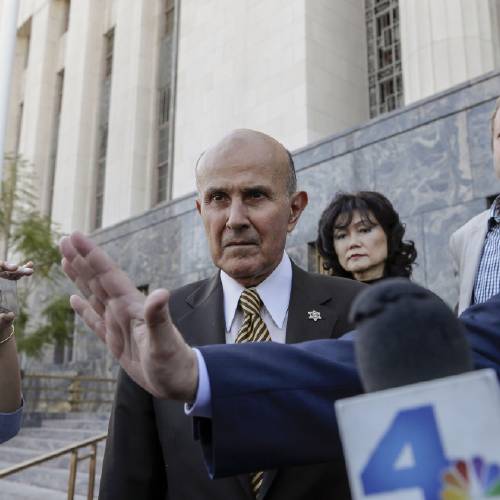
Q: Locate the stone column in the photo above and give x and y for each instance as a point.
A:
(75, 157)
(132, 123)
(39, 82)
(444, 43)
(337, 72)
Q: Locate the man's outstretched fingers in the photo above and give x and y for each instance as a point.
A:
(81, 243)
(156, 311)
(67, 249)
(89, 316)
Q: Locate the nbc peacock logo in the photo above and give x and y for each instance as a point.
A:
(471, 480)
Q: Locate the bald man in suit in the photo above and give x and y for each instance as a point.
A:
(248, 202)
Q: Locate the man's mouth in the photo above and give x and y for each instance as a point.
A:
(239, 243)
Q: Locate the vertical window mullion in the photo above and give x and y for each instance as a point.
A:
(384, 56)
(102, 129)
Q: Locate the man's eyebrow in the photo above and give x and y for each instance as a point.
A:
(213, 189)
(258, 187)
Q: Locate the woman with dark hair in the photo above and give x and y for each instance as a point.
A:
(361, 237)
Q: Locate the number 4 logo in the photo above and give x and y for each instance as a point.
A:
(414, 431)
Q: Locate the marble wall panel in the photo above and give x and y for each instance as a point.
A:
(438, 227)
(424, 169)
(432, 159)
(300, 255)
(485, 183)
(436, 107)
(344, 173)
(196, 254)
(315, 154)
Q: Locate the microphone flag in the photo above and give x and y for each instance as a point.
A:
(433, 440)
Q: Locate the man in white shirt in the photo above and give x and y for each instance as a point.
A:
(248, 203)
(475, 247)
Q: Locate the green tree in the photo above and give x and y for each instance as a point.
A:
(29, 235)
(18, 198)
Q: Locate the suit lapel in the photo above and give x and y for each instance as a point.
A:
(305, 297)
(204, 324)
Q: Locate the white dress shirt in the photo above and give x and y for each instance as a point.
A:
(274, 292)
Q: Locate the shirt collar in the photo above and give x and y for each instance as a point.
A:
(274, 292)
(494, 215)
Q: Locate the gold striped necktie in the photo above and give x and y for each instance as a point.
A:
(253, 329)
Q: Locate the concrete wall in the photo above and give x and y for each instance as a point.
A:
(295, 69)
(446, 42)
(432, 159)
(337, 68)
(241, 63)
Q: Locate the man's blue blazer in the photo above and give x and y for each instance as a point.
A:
(277, 406)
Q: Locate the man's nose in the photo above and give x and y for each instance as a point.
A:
(237, 215)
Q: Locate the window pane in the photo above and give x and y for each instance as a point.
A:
(384, 56)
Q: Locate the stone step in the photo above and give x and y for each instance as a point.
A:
(50, 479)
(55, 479)
(73, 423)
(40, 445)
(70, 435)
(16, 455)
(85, 415)
(12, 490)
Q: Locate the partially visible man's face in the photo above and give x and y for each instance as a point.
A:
(496, 143)
(245, 206)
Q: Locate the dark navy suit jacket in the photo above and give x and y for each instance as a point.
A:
(277, 408)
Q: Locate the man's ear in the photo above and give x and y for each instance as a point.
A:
(298, 201)
(198, 205)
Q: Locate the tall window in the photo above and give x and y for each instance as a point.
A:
(24, 39)
(385, 79)
(163, 167)
(163, 146)
(19, 127)
(65, 17)
(102, 129)
(55, 138)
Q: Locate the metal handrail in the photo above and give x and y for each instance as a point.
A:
(73, 449)
(69, 377)
(74, 390)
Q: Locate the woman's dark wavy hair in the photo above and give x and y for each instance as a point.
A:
(338, 214)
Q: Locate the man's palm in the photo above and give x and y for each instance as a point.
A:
(137, 330)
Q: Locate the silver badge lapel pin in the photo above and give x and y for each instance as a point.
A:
(314, 315)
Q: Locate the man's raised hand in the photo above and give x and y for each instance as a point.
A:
(138, 331)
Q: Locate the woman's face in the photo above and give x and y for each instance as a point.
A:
(361, 247)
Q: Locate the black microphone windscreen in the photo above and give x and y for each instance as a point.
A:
(406, 334)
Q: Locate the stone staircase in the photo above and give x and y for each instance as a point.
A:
(49, 480)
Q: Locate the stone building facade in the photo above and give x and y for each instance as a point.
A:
(432, 159)
(114, 100)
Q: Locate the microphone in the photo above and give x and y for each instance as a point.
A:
(429, 428)
(406, 334)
